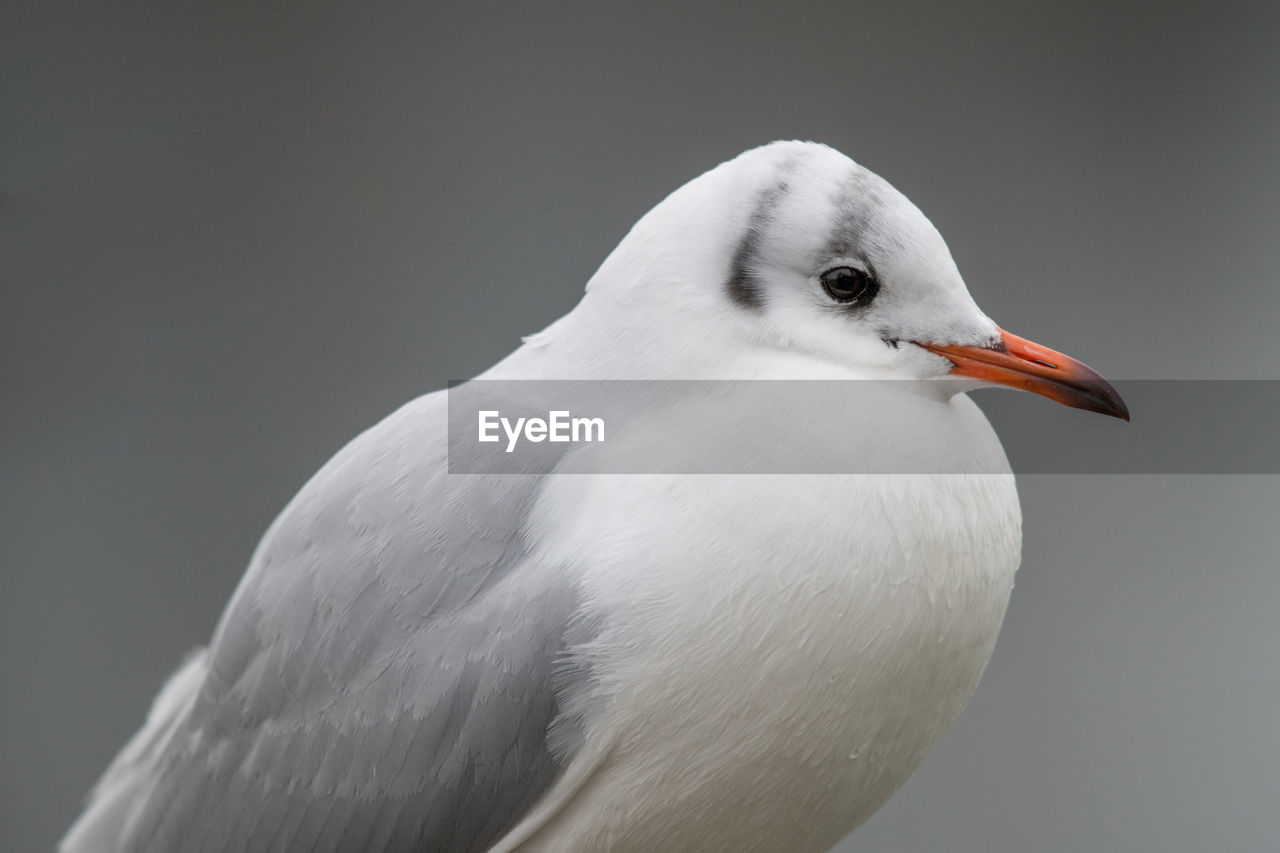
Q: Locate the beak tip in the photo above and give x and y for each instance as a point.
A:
(1105, 400)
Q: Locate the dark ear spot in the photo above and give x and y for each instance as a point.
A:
(744, 289)
(743, 285)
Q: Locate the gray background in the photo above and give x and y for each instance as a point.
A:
(231, 236)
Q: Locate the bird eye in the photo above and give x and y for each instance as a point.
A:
(849, 284)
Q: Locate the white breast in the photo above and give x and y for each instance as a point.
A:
(771, 656)
(778, 653)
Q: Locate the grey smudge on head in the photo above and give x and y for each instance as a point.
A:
(857, 202)
(743, 284)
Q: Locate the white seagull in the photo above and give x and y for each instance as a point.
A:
(423, 661)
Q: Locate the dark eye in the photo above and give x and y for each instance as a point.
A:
(849, 284)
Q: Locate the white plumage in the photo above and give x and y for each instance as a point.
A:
(554, 662)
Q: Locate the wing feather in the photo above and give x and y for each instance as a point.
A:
(383, 678)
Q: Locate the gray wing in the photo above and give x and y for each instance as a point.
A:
(381, 680)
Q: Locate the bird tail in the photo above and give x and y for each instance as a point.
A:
(120, 793)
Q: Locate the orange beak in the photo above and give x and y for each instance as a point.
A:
(1020, 363)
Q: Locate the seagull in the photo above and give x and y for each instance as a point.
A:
(420, 660)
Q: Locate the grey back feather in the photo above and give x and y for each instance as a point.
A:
(382, 679)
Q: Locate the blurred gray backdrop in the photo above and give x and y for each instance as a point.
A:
(234, 235)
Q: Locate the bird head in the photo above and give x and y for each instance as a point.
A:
(795, 248)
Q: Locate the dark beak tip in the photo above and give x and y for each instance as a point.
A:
(1122, 413)
(1107, 401)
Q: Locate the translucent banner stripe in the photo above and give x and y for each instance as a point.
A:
(853, 427)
